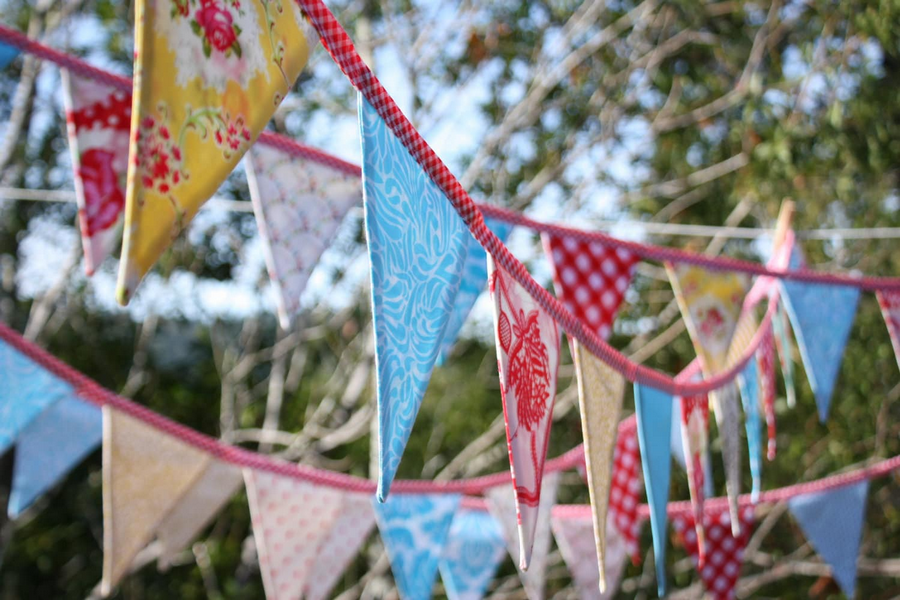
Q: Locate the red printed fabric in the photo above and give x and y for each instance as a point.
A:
(695, 436)
(625, 490)
(724, 552)
(98, 119)
(766, 359)
(890, 307)
(590, 279)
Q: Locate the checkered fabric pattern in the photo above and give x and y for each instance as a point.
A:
(724, 552)
(590, 279)
(625, 490)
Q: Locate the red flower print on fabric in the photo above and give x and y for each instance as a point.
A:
(103, 195)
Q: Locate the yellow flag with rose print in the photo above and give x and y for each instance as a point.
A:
(208, 76)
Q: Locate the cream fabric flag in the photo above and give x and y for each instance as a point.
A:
(208, 75)
(600, 392)
(145, 474)
(502, 504)
(574, 536)
(291, 518)
(213, 489)
(299, 204)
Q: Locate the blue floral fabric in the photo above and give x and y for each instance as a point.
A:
(417, 247)
(474, 550)
(749, 384)
(414, 529)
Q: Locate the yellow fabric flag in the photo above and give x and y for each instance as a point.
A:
(145, 474)
(600, 392)
(208, 76)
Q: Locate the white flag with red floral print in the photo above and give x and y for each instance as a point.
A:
(528, 356)
(590, 279)
(890, 308)
(695, 441)
(98, 120)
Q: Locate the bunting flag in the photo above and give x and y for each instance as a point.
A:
(98, 121)
(27, 390)
(832, 521)
(527, 340)
(50, 446)
(337, 550)
(724, 552)
(417, 247)
(197, 508)
(695, 437)
(472, 555)
(783, 344)
(474, 278)
(501, 502)
(7, 54)
(414, 528)
(890, 308)
(145, 475)
(765, 359)
(207, 78)
(600, 392)
(725, 403)
(590, 278)
(748, 381)
(821, 316)
(574, 536)
(653, 409)
(299, 204)
(625, 489)
(290, 519)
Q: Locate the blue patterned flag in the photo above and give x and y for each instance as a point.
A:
(474, 550)
(417, 247)
(832, 521)
(821, 316)
(653, 409)
(27, 389)
(474, 278)
(56, 441)
(749, 384)
(7, 54)
(414, 529)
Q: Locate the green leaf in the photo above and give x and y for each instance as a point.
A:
(195, 27)
(207, 49)
(237, 49)
(237, 30)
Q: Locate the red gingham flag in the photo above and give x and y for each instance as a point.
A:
(590, 279)
(724, 552)
(625, 489)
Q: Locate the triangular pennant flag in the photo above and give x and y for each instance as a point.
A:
(832, 521)
(695, 436)
(414, 529)
(749, 385)
(207, 78)
(783, 344)
(724, 552)
(575, 538)
(676, 444)
(889, 300)
(98, 119)
(7, 54)
(654, 426)
(52, 444)
(27, 390)
(502, 504)
(527, 340)
(417, 246)
(212, 490)
(290, 518)
(341, 544)
(590, 279)
(474, 278)
(625, 489)
(299, 204)
(765, 359)
(710, 303)
(145, 474)
(821, 316)
(600, 392)
(725, 403)
(473, 552)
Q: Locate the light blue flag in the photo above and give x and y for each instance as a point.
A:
(653, 409)
(474, 279)
(26, 389)
(749, 384)
(7, 54)
(50, 447)
(417, 247)
(821, 316)
(832, 521)
(474, 550)
(414, 529)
